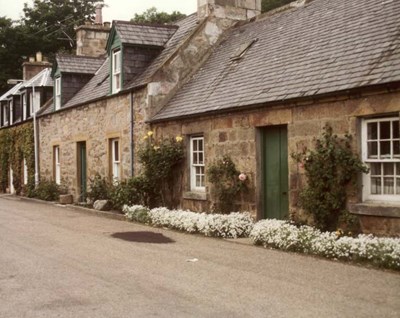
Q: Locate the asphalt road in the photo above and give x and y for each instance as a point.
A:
(56, 262)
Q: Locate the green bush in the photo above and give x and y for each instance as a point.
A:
(99, 189)
(160, 159)
(47, 190)
(129, 192)
(227, 183)
(330, 169)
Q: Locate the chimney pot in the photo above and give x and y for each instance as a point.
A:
(31, 59)
(39, 56)
(99, 15)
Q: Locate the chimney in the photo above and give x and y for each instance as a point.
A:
(91, 39)
(32, 67)
(228, 9)
(99, 14)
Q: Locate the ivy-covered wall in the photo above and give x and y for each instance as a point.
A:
(17, 144)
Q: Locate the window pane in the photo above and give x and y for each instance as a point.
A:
(385, 130)
(388, 185)
(116, 151)
(200, 145)
(388, 169)
(372, 131)
(396, 149)
(373, 150)
(398, 169)
(376, 186)
(396, 129)
(194, 145)
(398, 186)
(201, 160)
(385, 149)
(375, 169)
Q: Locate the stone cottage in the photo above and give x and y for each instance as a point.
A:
(18, 107)
(270, 86)
(96, 128)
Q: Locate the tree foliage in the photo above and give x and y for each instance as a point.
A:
(46, 26)
(155, 17)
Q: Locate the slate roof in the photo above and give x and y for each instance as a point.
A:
(323, 47)
(43, 78)
(185, 27)
(131, 33)
(97, 87)
(78, 64)
(12, 91)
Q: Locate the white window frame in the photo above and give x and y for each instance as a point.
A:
(57, 165)
(11, 111)
(367, 196)
(115, 160)
(5, 116)
(116, 70)
(57, 90)
(24, 107)
(197, 167)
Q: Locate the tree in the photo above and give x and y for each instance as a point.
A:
(268, 5)
(47, 26)
(154, 17)
(51, 22)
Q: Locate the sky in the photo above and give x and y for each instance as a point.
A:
(115, 10)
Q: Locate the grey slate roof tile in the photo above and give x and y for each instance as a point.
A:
(78, 64)
(97, 87)
(12, 91)
(43, 78)
(138, 34)
(185, 27)
(323, 47)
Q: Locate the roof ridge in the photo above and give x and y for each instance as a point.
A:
(147, 24)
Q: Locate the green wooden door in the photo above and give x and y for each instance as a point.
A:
(275, 178)
(82, 174)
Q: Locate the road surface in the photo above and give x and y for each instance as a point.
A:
(57, 262)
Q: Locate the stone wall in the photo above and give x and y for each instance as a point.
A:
(95, 123)
(235, 134)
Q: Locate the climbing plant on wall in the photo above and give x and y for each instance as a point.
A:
(17, 144)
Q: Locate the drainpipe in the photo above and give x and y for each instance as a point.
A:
(132, 101)
(35, 138)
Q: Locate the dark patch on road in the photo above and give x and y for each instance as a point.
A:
(143, 237)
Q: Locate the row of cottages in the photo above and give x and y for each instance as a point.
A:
(234, 82)
(18, 108)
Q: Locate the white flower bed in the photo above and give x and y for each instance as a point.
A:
(233, 225)
(274, 233)
(283, 235)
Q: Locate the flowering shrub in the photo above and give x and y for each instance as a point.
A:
(330, 169)
(383, 252)
(137, 213)
(233, 225)
(227, 182)
(160, 159)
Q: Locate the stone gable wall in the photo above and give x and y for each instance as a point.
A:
(94, 123)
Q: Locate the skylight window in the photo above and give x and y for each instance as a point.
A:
(242, 50)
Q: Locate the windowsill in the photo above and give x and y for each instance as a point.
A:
(376, 209)
(192, 195)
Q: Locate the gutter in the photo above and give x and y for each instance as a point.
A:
(132, 127)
